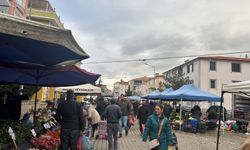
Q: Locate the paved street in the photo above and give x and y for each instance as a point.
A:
(131, 142)
(186, 141)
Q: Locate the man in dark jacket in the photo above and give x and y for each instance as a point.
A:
(113, 114)
(126, 108)
(70, 115)
(143, 113)
(14, 104)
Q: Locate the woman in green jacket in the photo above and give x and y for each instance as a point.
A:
(152, 126)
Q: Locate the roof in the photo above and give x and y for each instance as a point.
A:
(122, 82)
(226, 58)
(142, 78)
(222, 58)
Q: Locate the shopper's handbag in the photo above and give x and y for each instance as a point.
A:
(154, 143)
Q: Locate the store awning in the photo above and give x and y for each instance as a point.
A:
(31, 43)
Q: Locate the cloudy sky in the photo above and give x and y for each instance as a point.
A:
(140, 29)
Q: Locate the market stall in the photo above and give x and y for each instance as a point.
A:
(25, 59)
(241, 88)
(152, 95)
(189, 93)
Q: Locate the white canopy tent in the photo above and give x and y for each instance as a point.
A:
(86, 88)
(240, 88)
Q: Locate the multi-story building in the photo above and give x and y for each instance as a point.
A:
(104, 89)
(136, 85)
(14, 7)
(42, 11)
(210, 73)
(120, 88)
(151, 84)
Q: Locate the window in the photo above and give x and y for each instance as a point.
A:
(190, 68)
(212, 66)
(236, 67)
(212, 84)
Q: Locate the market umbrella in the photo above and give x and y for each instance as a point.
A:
(53, 76)
(27, 42)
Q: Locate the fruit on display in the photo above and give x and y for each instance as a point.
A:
(46, 143)
(54, 134)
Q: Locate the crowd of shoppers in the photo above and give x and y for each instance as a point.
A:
(74, 118)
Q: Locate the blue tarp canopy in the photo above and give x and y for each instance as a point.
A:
(153, 95)
(190, 93)
(157, 94)
(136, 98)
(166, 91)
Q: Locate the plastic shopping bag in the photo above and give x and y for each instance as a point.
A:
(87, 144)
(79, 143)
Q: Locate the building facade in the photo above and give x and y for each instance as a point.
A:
(136, 85)
(42, 11)
(120, 88)
(210, 73)
(151, 84)
(14, 7)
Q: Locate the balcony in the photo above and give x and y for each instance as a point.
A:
(45, 16)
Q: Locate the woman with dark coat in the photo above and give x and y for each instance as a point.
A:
(152, 126)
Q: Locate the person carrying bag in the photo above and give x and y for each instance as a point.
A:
(158, 129)
(155, 142)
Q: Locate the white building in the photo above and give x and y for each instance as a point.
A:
(136, 85)
(210, 73)
(120, 88)
(156, 82)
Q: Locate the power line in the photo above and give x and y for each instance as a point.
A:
(161, 58)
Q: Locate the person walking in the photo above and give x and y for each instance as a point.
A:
(93, 117)
(69, 115)
(112, 113)
(157, 127)
(126, 111)
(143, 113)
(101, 105)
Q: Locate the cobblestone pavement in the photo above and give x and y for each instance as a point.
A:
(186, 141)
(131, 142)
(207, 141)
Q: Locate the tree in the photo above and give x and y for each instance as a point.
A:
(161, 86)
(176, 80)
(128, 92)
